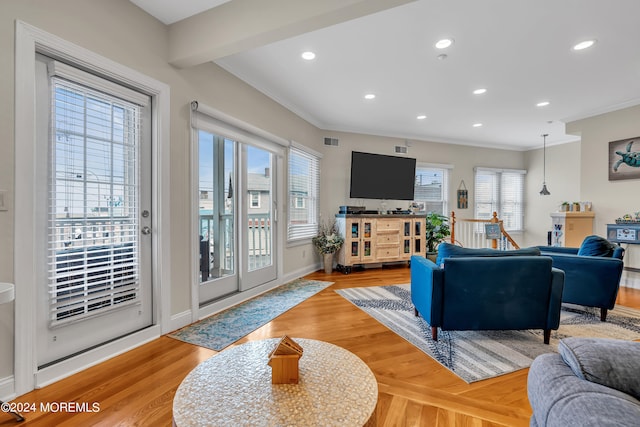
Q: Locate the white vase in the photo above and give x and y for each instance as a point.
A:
(328, 263)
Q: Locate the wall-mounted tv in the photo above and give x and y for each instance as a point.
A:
(378, 176)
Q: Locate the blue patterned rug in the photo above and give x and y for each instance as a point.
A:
(222, 329)
(478, 355)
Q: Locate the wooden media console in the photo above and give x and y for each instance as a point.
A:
(379, 239)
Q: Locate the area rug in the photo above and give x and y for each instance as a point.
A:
(478, 355)
(222, 329)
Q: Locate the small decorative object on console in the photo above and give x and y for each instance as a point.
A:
(629, 219)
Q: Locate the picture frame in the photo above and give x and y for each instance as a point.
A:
(463, 196)
(492, 231)
(624, 159)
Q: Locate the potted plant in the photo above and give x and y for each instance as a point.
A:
(327, 242)
(437, 230)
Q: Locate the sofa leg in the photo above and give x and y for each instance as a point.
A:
(547, 335)
(434, 333)
(603, 314)
(415, 312)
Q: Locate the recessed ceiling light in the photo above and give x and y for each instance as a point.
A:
(542, 104)
(308, 55)
(584, 45)
(477, 125)
(444, 43)
(479, 91)
(421, 117)
(369, 96)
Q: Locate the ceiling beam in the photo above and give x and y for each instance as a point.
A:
(240, 25)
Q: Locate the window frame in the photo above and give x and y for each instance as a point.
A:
(444, 169)
(254, 199)
(303, 232)
(498, 200)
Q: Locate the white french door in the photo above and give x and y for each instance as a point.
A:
(236, 221)
(259, 215)
(94, 211)
(217, 216)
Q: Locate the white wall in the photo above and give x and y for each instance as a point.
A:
(579, 172)
(122, 32)
(337, 165)
(611, 199)
(563, 182)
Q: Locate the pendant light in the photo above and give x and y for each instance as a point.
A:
(544, 191)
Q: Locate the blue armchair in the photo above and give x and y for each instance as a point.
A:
(487, 293)
(592, 272)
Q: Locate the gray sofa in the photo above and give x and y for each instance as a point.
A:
(592, 382)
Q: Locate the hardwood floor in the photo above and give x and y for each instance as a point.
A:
(137, 388)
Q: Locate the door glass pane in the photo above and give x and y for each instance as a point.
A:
(93, 204)
(259, 203)
(216, 206)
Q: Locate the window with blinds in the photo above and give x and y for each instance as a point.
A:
(431, 190)
(501, 191)
(93, 218)
(304, 194)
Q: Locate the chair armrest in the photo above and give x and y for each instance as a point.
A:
(558, 250)
(610, 362)
(589, 279)
(426, 289)
(555, 299)
(592, 264)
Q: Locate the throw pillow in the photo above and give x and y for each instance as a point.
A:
(596, 246)
(448, 250)
(609, 362)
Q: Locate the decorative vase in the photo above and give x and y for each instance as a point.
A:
(328, 263)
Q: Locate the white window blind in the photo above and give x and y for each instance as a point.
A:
(431, 189)
(93, 218)
(304, 194)
(501, 191)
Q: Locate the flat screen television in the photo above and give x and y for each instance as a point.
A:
(378, 176)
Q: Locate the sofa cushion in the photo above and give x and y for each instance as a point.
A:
(447, 250)
(559, 398)
(596, 246)
(610, 362)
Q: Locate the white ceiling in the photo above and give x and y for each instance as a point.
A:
(519, 50)
(170, 11)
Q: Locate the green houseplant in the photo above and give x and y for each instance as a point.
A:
(327, 242)
(437, 230)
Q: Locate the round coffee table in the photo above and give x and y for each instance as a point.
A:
(336, 388)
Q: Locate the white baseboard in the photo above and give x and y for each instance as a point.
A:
(630, 279)
(179, 320)
(7, 389)
(301, 272)
(90, 358)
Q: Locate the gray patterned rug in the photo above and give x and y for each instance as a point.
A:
(478, 355)
(222, 329)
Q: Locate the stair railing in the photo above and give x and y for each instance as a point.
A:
(471, 233)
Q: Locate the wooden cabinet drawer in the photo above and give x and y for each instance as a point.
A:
(388, 239)
(383, 225)
(389, 253)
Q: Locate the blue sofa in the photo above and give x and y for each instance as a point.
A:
(593, 382)
(592, 272)
(487, 292)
